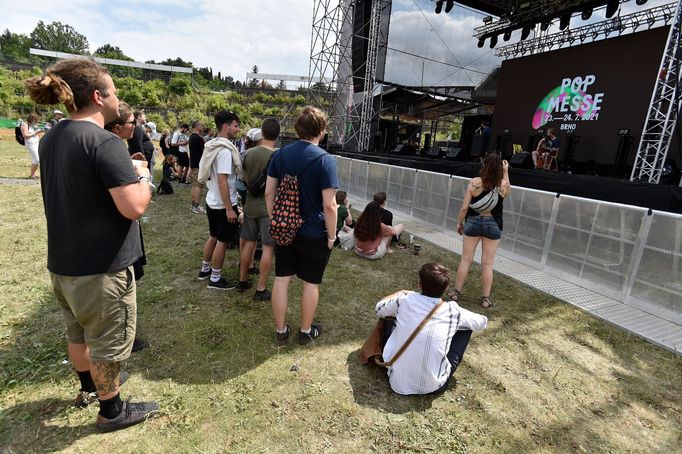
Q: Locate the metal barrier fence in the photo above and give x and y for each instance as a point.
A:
(630, 254)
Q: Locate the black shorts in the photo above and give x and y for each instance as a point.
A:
(219, 227)
(305, 257)
(183, 159)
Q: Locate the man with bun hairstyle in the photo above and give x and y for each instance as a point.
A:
(93, 196)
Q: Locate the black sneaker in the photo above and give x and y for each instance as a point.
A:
(221, 284)
(254, 270)
(85, 398)
(243, 286)
(203, 275)
(262, 295)
(282, 339)
(138, 344)
(306, 338)
(131, 414)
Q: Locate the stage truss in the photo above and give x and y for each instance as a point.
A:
(663, 110)
(350, 118)
(657, 16)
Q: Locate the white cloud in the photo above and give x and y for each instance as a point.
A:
(229, 36)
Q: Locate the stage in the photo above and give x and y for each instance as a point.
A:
(656, 197)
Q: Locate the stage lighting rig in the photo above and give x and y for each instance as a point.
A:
(525, 33)
(658, 15)
(439, 6)
(487, 19)
(586, 14)
(493, 41)
(449, 4)
(640, 2)
(545, 25)
(481, 42)
(507, 35)
(612, 8)
(565, 21)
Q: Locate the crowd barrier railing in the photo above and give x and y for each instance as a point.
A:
(627, 253)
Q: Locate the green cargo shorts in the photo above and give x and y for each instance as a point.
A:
(99, 310)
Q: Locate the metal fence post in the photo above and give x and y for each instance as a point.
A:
(550, 231)
(414, 191)
(447, 204)
(637, 252)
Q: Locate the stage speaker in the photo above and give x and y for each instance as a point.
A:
(522, 160)
(478, 146)
(453, 153)
(434, 152)
(427, 140)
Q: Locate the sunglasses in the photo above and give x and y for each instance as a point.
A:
(131, 122)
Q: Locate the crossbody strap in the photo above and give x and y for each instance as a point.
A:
(412, 336)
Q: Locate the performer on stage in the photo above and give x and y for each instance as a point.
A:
(544, 156)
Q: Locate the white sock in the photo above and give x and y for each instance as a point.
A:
(306, 331)
(216, 274)
(283, 331)
(205, 266)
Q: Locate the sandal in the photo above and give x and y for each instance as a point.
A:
(486, 302)
(453, 294)
(401, 246)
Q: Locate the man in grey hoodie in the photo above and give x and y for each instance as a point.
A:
(219, 167)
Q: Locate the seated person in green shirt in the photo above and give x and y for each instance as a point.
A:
(344, 219)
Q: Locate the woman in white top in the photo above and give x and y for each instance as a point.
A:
(31, 141)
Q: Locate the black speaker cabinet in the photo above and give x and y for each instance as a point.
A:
(522, 160)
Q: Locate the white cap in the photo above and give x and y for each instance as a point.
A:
(57, 112)
(151, 126)
(254, 134)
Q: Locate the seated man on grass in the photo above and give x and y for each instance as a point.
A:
(428, 362)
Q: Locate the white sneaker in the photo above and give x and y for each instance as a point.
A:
(198, 210)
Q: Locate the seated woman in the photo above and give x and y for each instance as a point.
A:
(428, 362)
(372, 236)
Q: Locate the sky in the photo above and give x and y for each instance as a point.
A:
(233, 35)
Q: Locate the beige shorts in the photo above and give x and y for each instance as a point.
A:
(99, 310)
(194, 179)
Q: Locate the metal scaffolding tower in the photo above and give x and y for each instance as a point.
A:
(663, 110)
(331, 60)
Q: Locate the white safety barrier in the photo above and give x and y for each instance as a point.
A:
(627, 253)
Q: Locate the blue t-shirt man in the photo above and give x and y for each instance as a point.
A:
(316, 171)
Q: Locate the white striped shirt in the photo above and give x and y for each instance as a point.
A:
(424, 366)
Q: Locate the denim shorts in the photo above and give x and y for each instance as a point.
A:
(482, 226)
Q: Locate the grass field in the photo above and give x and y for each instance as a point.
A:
(544, 377)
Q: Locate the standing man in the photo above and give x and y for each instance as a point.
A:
(92, 232)
(256, 220)
(220, 162)
(140, 141)
(181, 141)
(57, 116)
(196, 150)
(308, 255)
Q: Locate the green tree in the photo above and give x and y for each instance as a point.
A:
(281, 85)
(180, 85)
(254, 83)
(59, 37)
(109, 51)
(14, 46)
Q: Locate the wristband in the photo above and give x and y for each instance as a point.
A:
(145, 178)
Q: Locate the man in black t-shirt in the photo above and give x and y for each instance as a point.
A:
(386, 216)
(141, 143)
(93, 197)
(196, 150)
